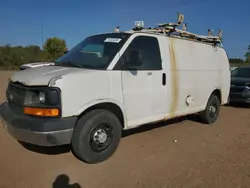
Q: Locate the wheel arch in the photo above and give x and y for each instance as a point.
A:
(109, 105)
(217, 92)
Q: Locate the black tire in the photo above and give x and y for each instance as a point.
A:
(211, 113)
(90, 132)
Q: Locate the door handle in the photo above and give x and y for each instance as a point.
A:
(164, 79)
(149, 73)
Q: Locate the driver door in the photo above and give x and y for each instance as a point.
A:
(142, 81)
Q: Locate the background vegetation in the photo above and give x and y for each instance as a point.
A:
(11, 57)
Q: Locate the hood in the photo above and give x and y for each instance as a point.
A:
(239, 81)
(42, 75)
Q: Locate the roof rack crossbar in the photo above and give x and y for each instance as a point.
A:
(171, 29)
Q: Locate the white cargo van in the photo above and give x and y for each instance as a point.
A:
(116, 81)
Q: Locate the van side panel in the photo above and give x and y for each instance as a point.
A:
(197, 69)
(193, 71)
(225, 75)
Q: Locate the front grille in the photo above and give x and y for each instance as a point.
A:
(16, 108)
(15, 94)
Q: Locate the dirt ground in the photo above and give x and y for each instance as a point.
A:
(216, 156)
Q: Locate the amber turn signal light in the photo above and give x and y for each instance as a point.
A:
(41, 111)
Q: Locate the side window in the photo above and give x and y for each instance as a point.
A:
(143, 53)
(94, 49)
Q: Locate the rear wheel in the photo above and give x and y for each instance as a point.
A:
(211, 113)
(96, 136)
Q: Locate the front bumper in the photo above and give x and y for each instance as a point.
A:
(36, 130)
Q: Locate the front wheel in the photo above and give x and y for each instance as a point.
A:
(211, 113)
(96, 136)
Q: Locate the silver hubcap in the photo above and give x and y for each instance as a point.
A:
(212, 109)
(100, 136)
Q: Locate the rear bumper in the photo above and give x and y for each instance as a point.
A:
(35, 130)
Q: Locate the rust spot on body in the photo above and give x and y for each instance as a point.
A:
(174, 81)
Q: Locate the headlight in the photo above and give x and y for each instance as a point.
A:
(42, 102)
(42, 97)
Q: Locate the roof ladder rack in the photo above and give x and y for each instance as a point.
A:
(170, 29)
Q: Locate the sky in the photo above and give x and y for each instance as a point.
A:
(21, 21)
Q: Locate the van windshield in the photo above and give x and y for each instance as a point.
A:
(243, 72)
(94, 52)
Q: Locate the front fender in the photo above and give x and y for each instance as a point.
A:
(99, 101)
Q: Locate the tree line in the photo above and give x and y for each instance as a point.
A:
(11, 57)
(239, 61)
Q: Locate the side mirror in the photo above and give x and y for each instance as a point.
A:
(66, 52)
(134, 59)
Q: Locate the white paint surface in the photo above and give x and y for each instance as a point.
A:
(197, 71)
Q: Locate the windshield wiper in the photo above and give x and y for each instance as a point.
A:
(91, 67)
(74, 64)
(68, 62)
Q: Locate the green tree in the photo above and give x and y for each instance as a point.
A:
(11, 57)
(54, 47)
(236, 61)
(247, 55)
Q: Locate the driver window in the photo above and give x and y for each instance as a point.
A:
(143, 53)
(94, 49)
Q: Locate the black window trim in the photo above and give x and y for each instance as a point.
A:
(119, 62)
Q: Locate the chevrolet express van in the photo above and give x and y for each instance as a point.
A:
(116, 81)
